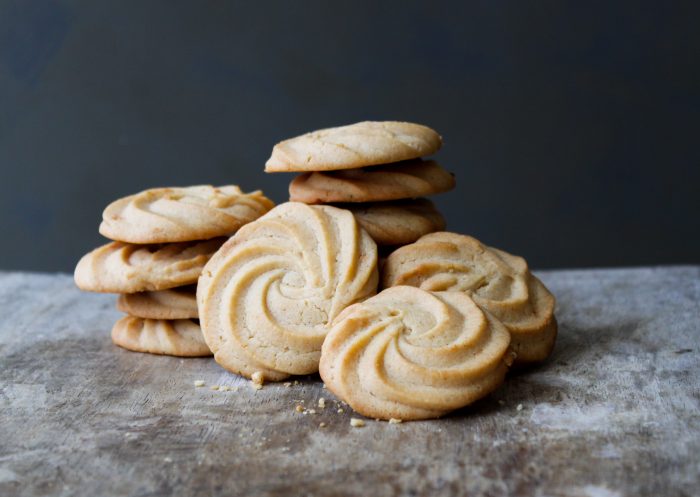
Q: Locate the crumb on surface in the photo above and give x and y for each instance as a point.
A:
(199, 383)
(520, 407)
(214, 387)
(224, 388)
(287, 384)
(322, 403)
(312, 411)
(395, 421)
(299, 408)
(256, 380)
(341, 411)
(322, 424)
(356, 423)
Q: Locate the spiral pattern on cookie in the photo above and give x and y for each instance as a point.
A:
(266, 299)
(408, 179)
(178, 337)
(162, 215)
(411, 354)
(499, 282)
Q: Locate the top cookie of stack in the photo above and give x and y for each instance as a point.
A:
(373, 169)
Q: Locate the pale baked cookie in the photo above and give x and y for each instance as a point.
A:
(125, 268)
(411, 354)
(357, 145)
(409, 179)
(163, 215)
(499, 282)
(267, 298)
(398, 222)
(176, 303)
(179, 337)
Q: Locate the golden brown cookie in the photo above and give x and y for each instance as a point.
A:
(179, 337)
(125, 268)
(267, 298)
(176, 303)
(411, 354)
(409, 179)
(398, 222)
(499, 282)
(356, 145)
(161, 215)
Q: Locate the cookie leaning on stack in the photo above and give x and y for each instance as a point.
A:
(373, 169)
(163, 237)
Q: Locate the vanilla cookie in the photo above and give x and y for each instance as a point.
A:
(175, 303)
(179, 337)
(409, 179)
(357, 145)
(398, 222)
(125, 268)
(267, 298)
(411, 354)
(499, 282)
(163, 215)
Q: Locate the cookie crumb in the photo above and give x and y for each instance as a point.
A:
(395, 421)
(287, 384)
(324, 385)
(224, 388)
(168, 460)
(296, 382)
(256, 380)
(322, 403)
(312, 411)
(341, 411)
(299, 408)
(322, 424)
(519, 408)
(214, 387)
(356, 423)
(199, 383)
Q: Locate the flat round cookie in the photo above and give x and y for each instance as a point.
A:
(126, 268)
(499, 282)
(179, 337)
(398, 222)
(409, 179)
(175, 303)
(267, 298)
(162, 215)
(356, 145)
(410, 354)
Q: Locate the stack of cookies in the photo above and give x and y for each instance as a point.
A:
(162, 238)
(374, 170)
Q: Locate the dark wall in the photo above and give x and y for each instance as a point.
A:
(572, 127)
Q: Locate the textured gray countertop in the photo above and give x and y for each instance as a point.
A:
(615, 412)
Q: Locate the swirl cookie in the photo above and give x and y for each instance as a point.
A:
(176, 303)
(409, 179)
(267, 298)
(357, 145)
(411, 354)
(163, 215)
(125, 268)
(399, 222)
(499, 282)
(179, 337)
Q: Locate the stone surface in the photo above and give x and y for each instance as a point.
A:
(615, 412)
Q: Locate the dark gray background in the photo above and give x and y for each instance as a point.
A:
(572, 127)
